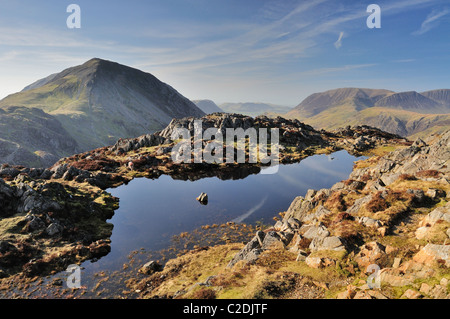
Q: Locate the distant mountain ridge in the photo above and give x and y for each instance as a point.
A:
(207, 106)
(405, 113)
(253, 108)
(99, 102)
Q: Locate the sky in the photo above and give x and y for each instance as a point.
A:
(273, 51)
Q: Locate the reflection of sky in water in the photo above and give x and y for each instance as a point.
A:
(152, 211)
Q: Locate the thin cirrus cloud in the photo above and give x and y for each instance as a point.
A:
(338, 43)
(279, 44)
(431, 21)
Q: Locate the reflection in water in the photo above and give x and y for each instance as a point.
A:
(151, 212)
(241, 218)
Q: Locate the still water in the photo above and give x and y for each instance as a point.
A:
(152, 211)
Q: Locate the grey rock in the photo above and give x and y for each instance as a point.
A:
(435, 193)
(302, 255)
(388, 179)
(150, 267)
(377, 186)
(369, 222)
(46, 174)
(272, 239)
(433, 252)
(310, 193)
(354, 209)
(440, 213)
(319, 212)
(328, 243)
(313, 231)
(163, 150)
(54, 229)
(34, 222)
(250, 252)
(299, 208)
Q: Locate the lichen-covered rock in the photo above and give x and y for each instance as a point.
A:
(371, 253)
(432, 254)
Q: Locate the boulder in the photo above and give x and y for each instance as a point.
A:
(312, 231)
(301, 256)
(299, 208)
(328, 243)
(388, 179)
(419, 143)
(440, 213)
(314, 262)
(371, 253)
(411, 294)
(431, 254)
(54, 229)
(150, 268)
(369, 222)
(251, 251)
(392, 277)
(34, 223)
(310, 193)
(354, 209)
(272, 240)
(435, 193)
(317, 215)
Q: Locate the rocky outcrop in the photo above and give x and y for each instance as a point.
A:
(384, 196)
(292, 132)
(429, 161)
(42, 214)
(360, 138)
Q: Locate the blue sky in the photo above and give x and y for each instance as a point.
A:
(275, 51)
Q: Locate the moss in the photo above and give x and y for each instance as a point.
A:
(382, 150)
(337, 255)
(12, 225)
(437, 233)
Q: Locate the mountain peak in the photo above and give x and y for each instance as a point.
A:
(100, 101)
(318, 102)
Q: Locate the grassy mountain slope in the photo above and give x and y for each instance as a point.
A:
(101, 101)
(406, 113)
